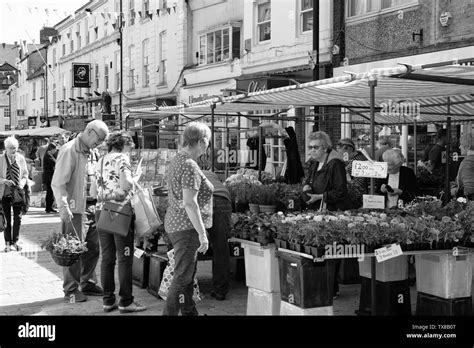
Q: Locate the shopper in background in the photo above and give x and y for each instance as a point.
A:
(41, 151)
(218, 237)
(400, 183)
(49, 164)
(13, 176)
(384, 145)
(188, 216)
(465, 178)
(70, 183)
(356, 186)
(112, 182)
(435, 156)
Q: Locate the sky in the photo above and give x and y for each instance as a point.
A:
(23, 20)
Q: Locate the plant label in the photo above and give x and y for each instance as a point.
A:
(138, 253)
(373, 202)
(388, 252)
(368, 169)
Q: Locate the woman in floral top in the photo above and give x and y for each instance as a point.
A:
(113, 181)
(188, 216)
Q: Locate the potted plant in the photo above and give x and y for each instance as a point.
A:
(65, 249)
(241, 197)
(267, 200)
(254, 198)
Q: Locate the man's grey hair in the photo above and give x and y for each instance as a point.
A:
(394, 156)
(11, 142)
(97, 125)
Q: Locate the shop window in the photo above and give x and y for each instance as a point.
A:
(306, 16)
(219, 45)
(358, 8)
(264, 20)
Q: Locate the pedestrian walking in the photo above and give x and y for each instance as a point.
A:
(49, 165)
(77, 208)
(112, 182)
(13, 177)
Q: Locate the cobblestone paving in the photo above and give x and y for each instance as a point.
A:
(31, 283)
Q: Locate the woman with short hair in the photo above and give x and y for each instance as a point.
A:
(400, 183)
(188, 216)
(113, 182)
(13, 175)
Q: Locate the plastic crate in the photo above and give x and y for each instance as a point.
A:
(444, 275)
(433, 305)
(289, 309)
(261, 267)
(140, 271)
(263, 303)
(387, 271)
(304, 283)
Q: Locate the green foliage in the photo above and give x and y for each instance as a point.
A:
(64, 244)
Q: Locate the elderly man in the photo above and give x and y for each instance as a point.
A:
(70, 185)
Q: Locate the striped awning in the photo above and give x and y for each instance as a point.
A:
(398, 93)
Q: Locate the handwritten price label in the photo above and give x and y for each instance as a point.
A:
(366, 169)
(388, 252)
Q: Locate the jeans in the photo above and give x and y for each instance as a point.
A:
(180, 294)
(218, 236)
(7, 210)
(82, 273)
(115, 247)
(49, 196)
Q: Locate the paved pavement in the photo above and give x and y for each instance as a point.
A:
(31, 283)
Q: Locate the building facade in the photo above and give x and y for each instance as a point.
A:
(8, 77)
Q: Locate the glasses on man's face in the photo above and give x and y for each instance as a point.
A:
(99, 138)
(315, 147)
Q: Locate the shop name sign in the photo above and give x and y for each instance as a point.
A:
(369, 169)
(81, 73)
(393, 108)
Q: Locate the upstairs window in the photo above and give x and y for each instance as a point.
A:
(97, 76)
(42, 89)
(356, 8)
(34, 90)
(264, 20)
(106, 76)
(145, 68)
(163, 58)
(306, 17)
(219, 45)
(131, 12)
(145, 8)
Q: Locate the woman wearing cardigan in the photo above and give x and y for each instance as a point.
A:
(13, 175)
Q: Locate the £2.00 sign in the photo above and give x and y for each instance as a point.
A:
(366, 169)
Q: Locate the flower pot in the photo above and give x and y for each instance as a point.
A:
(277, 243)
(241, 207)
(307, 249)
(254, 208)
(268, 209)
(299, 247)
(284, 244)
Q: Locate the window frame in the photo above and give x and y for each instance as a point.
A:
(96, 76)
(106, 75)
(378, 11)
(301, 16)
(34, 90)
(260, 24)
(163, 57)
(145, 63)
(204, 48)
(131, 69)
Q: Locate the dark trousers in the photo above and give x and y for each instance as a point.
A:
(114, 247)
(218, 239)
(7, 210)
(180, 294)
(49, 196)
(83, 272)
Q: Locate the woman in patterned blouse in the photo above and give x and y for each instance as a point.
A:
(188, 216)
(113, 180)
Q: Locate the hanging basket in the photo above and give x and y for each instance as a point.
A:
(65, 260)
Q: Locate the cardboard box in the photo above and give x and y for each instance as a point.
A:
(387, 271)
(261, 267)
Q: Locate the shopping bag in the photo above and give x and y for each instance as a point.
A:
(115, 218)
(168, 277)
(146, 217)
(3, 221)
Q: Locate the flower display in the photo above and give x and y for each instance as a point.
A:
(64, 244)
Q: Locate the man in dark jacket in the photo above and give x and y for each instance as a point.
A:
(49, 164)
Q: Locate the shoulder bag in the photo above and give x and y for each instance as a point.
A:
(115, 217)
(18, 193)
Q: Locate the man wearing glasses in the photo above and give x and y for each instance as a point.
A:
(71, 190)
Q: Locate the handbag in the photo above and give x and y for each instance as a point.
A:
(146, 217)
(168, 274)
(17, 194)
(115, 217)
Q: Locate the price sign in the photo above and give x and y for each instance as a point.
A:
(138, 253)
(366, 169)
(373, 202)
(388, 252)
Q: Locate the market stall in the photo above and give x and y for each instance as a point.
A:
(441, 94)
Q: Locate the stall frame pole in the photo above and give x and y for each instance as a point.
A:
(372, 84)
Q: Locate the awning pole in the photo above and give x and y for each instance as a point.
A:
(226, 145)
(213, 106)
(372, 84)
(414, 145)
(260, 152)
(448, 151)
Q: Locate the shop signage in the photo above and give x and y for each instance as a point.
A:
(366, 169)
(32, 121)
(81, 75)
(388, 252)
(261, 84)
(373, 202)
(20, 112)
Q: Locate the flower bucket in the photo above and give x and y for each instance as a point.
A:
(64, 259)
(269, 209)
(254, 208)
